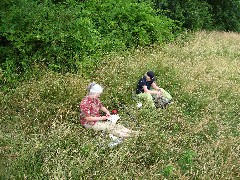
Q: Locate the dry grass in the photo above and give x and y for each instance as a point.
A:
(196, 138)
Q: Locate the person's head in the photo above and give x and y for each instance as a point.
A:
(149, 76)
(95, 89)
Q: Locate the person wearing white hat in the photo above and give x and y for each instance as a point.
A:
(90, 117)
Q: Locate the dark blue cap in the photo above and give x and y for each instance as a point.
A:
(150, 74)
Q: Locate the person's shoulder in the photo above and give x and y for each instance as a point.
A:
(99, 101)
(142, 79)
(85, 99)
(153, 80)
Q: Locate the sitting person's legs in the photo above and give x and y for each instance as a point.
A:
(163, 100)
(115, 129)
(166, 94)
(147, 98)
(120, 130)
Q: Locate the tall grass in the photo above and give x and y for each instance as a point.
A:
(197, 137)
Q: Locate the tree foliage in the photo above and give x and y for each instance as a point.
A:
(226, 14)
(202, 14)
(66, 35)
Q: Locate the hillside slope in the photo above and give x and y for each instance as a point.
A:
(196, 137)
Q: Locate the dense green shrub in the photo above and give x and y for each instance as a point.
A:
(192, 14)
(70, 36)
(226, 14)
(205, 14)
(130, 24)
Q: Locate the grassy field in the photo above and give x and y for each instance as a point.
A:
(197, 137)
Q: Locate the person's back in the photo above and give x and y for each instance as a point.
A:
(143, 82)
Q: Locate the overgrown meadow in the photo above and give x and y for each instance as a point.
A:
(197, 137)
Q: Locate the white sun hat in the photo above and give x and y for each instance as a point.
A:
(96, 88)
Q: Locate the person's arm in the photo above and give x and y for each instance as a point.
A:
(105, 110)
(154, 85)
(85, 109)
(101, 118)
(146, 90)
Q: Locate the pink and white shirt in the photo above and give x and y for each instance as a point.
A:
(89, 107)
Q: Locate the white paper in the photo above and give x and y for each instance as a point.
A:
(114, 118)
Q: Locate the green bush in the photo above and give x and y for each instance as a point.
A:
(71, 36)
(130, 24)
(205, 14)
(226, 15)
(193, 14)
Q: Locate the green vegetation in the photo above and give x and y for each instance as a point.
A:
(71, 36)
(197, 137)
(204, 14)
(51, 49)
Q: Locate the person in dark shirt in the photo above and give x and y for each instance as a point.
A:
(150, 92)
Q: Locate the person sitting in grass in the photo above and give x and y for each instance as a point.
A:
(90, 117)
(151, 93)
